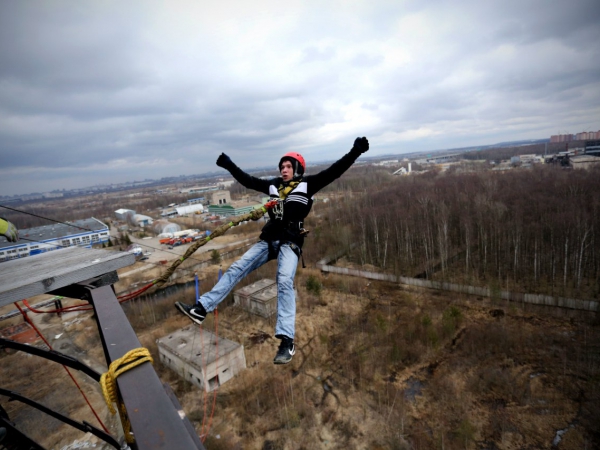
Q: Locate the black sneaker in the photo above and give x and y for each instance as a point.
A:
(197, 312)
(287, 349)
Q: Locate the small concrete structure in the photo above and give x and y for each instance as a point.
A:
(264, 303)
(200, 358)
(258, 298)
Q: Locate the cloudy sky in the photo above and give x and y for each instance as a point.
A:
(108, 91)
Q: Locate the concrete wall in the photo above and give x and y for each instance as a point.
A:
(572, 303)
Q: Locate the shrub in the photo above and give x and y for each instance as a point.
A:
(465, 432)
(450, 319)
(314, 285)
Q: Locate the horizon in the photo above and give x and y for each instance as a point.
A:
(216, 173)
(106, 91)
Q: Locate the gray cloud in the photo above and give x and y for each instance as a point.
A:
(109, 91)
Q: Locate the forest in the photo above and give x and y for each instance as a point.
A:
(533, 230)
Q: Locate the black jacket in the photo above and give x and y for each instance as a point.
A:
(298, 202)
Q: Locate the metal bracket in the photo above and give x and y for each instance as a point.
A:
(51, 355)
(81, 290)
(82, 426)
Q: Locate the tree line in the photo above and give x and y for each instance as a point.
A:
(534, 230)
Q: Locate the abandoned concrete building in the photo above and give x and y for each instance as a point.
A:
(258, 298)
(197, 355)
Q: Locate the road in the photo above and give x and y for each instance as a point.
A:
(157, 252)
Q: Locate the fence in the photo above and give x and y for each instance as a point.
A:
(536, 299)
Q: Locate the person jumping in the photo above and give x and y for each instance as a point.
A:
(282, 237)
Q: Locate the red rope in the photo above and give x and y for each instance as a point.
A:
(85, 306)
(30, 322)
(80, 307)
(136, 293)
(122, 299)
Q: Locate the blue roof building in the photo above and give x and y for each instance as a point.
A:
(33, 241)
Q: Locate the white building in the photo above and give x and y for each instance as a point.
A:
(189, 209)
(389, 162)
(142, 220)
(199, 189)
(164, 226)
(200, 358)
(124, 214)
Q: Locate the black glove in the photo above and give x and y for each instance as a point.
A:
(224, 161)
(361, 144)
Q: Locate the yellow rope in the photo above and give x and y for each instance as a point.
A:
(108, 381)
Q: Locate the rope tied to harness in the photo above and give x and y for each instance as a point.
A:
(108, 382)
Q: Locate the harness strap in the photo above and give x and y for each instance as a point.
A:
(296, 249)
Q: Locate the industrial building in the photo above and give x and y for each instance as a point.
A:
(199, 189)
(142, 220)
(189, 209)
(33, 241)
(200, 357)
(592, 147)
(220, 198)
(124, 214)
(584, 161)
(234, 208)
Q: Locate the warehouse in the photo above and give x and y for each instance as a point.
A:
(234, 208)
(189, 209)
(33, 241)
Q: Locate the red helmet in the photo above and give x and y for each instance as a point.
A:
(297, 161)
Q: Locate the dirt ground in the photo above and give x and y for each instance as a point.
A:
(378, 366)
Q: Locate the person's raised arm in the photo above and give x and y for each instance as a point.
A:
(246, 180)
(336, 170)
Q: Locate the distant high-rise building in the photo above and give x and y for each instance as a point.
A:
(587, 135)
(561, 138)
(583, 136)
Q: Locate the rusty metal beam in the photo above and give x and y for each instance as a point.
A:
(155, 422)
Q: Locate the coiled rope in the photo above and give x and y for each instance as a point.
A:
(108, 381)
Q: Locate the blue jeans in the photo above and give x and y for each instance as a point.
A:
(256, 256)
